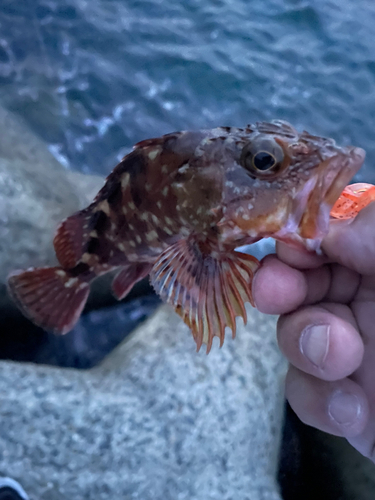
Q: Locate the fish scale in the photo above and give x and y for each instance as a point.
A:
(177, 207)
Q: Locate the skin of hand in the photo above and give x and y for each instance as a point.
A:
(326, 328)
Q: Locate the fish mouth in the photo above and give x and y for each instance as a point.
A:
(333, 175)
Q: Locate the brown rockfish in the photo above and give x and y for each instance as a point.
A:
(177, 208)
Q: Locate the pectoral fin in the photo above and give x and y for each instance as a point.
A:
(208, 290)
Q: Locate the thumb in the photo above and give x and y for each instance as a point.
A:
(352, 243)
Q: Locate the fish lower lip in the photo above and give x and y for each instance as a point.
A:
(346, 168)
(334, 176)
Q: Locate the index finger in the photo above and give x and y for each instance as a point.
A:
(278, 288)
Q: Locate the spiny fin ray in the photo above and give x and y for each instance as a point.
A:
(208, 290)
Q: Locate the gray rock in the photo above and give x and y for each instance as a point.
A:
(36, 193)
(154, 421)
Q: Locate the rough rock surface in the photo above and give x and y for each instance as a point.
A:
(154, 421)
(36, 193)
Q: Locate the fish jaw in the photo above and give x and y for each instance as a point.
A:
(308, 221)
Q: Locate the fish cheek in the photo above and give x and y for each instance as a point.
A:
(197, 194)
(261, 215)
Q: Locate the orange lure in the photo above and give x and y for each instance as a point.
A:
(352, 200)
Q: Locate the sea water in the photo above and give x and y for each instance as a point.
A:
(92, 77)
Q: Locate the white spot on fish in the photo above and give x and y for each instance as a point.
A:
(151, 236)
(138, 238)
(159, 205)
(184, 168)
(121, 247)
(155, 219)
(132, 243)
(93, 234)
(86, 257)
(125, 180)
(61, 273)
(124, 210)
(206, 140)
(103, 206)
(153, 154)
(168, 220)
(71, 282)
(164, 169)
(131, 205)
(165, 191)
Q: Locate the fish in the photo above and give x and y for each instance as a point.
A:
(177, 208)
(352, 200)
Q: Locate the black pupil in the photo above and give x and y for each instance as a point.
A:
(263, 161)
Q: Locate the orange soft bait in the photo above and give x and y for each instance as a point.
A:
(354, 198)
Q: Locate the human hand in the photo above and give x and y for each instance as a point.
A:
(327, 328)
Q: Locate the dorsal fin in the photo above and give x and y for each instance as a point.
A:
(207, 290)
(70, 237)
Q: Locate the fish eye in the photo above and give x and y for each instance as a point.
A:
(262, 157)
(263, 161)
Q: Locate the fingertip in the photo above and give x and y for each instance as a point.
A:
(340, 408)
(320, 343)
(278, 288)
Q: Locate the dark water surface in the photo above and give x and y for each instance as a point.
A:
(94, 76)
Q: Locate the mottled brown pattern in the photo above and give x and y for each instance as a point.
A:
(178, 206)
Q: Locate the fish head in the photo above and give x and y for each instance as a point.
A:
(284, 184)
